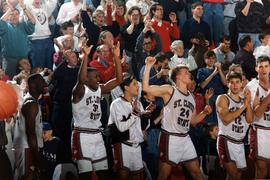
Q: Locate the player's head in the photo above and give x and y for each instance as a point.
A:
(37, 84)
(234, 82)
(262, 66)
(130, 85)
(92, 78)
(180, 73)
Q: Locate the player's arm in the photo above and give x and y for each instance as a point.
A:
(121, 121)
(223, 110)
(30, 111)
(249, 111)
(196, 118)
(161, 91)
(78, 90)
(106, 88)
(260, 107)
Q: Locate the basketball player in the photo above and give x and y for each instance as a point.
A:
(260, 133)
(125, 113)
(234, 116)
(179, 112)
(87, 143)
(28, 131)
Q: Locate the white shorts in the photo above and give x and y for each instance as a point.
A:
(128, 157)
(88, 150)
(229, 150)
(175, 149)
(263, 143)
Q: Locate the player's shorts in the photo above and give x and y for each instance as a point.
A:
(231, 150)
(176, 148)
(23, 162)
(128, 156)
(88, 150)
(260, 143)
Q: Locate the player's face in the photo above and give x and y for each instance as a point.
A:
(235, 85)
(133, 88)
(93, 80)
(42, 87)
(185, 76)
(263, 69)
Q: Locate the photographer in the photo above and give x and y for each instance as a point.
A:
(213, 77)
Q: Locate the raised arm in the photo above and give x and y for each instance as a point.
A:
(27, 12)
(222, 108)
(249, 110)
(245, 10)
(106, 88)
(196, 118)
(205, 82)
(164, 91)
(78, 90)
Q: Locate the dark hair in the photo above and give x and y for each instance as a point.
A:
(91, 69)
(262, 59)
(209, 54)
(244, 40)
(66, 25)
(134, 8)
(176, 70)
(225, 38)
(121, 3)
(160, 57)
(208, 128)
(153, 9)
(126, 82)
(262, 35)
(196, 4)
(33, 78)
(233, 75)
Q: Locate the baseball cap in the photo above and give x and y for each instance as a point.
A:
(46, 126)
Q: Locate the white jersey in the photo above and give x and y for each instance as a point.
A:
(121, 115)
(264, 120)
(20, 138)
(178, 112)
(236, 129)
(87, 112)
(252, 86)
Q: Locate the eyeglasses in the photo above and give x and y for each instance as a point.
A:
(135, 15)
(147, 43)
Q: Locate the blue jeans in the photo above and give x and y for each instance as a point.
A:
(213, 15)
(41, 53)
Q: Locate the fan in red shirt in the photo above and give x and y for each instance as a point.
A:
(168, 31)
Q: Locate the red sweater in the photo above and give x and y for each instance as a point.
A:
(105, 73)
(167, 33)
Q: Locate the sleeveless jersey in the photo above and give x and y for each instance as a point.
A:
(20, 138)
(87, 112)
(264, 120)
(236, 129)
(178, 112)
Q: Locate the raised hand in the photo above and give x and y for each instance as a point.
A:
(116, 49)
(209, 93)
(172, 17)
(150, 61)
(86, 49)
(207, 110)
(247, 97)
